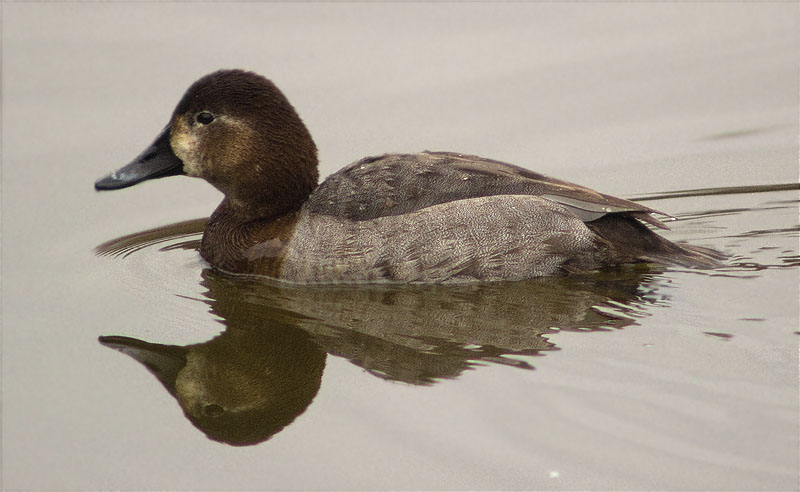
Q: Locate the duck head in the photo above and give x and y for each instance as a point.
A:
(236, 130)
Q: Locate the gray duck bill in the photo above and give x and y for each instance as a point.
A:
(157, 161)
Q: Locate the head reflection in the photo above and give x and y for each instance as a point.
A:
(241, 387)
(265, 368)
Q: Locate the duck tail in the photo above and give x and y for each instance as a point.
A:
(630, 241)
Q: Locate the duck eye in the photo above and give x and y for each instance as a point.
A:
(204, 118)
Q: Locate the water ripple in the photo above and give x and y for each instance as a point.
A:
(124, 246)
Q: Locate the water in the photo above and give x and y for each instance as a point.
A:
(636, 378)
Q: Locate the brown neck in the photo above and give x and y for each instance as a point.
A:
(251, 211)
(275, 187)
(237, 244)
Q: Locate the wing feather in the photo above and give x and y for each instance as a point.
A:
(395, 184)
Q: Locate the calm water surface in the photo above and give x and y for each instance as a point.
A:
(128, 364)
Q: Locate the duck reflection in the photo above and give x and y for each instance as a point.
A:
(265, 368)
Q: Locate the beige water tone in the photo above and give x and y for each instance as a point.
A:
(693, 387)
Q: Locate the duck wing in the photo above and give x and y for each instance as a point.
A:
(395, 184)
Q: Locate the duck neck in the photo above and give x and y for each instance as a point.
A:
(260, 195)
(246, 212)
(268, 188)
(232, 232)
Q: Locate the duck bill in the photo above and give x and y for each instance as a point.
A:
(157, 161)
(164, 361)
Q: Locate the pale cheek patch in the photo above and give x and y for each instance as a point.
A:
(188, 385)
(213, 156)
(185, 147)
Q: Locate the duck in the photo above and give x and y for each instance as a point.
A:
(429, 216)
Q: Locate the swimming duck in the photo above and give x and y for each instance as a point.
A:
(427, 217)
